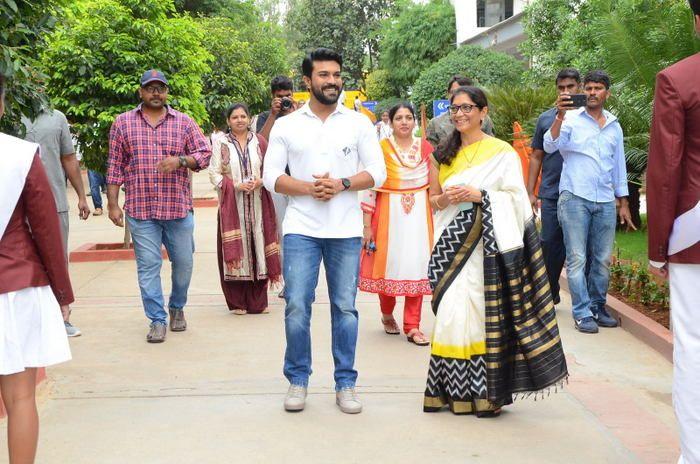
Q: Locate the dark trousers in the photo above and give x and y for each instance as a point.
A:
(552, 245)
(250, 295)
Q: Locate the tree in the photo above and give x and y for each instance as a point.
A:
(378, 85)
(485, 67)
(558, 35)
(271, 11)
(95, 58)
(254, 53)
(23, 26)
(243, 9)
(350, 27)
(648, 36)
(631, 39)
(418, 37)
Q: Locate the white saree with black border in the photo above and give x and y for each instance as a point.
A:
(495, 332)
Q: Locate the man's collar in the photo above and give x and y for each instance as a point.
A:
(609, 117)
(306, 109)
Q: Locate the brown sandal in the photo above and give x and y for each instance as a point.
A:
(417, 337)
(390, 326)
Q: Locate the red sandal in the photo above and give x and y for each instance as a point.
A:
(390, 326)
(417, 337)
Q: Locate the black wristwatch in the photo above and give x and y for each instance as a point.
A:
(183, 161)
(346, 183)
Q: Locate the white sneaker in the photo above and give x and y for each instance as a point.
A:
(348, 401)
(295, 399)
(71, 330)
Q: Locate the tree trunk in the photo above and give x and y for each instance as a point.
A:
(634, 203)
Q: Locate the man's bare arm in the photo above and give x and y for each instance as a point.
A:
(72, 169)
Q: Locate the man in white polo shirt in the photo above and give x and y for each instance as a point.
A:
(324, 145)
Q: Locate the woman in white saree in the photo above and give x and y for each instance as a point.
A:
(495, 331)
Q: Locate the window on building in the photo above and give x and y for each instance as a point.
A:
(492, 12)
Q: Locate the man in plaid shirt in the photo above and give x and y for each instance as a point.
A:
(151, 149)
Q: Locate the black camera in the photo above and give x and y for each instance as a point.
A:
(286, 103)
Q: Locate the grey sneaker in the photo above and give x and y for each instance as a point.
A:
(177, 320)
(348, 401)
(295, 399)
(157, 333)
(71, 330)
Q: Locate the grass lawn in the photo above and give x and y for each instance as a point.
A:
(632, 245)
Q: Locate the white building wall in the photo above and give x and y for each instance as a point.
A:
(466, 16)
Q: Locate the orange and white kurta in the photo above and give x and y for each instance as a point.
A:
(402, 223)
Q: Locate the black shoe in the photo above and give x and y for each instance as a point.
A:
(604, 319)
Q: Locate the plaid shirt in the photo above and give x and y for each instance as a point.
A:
(136, 147)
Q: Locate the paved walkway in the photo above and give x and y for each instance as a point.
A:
(214, 394)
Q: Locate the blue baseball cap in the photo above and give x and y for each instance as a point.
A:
(153, 75)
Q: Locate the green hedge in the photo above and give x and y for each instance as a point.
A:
(485, 67)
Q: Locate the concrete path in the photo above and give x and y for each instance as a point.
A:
(214, 394)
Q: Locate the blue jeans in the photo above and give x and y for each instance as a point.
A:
(552, 239)
(177, 236)
(589, 235)
(96, 181)
(302, 260)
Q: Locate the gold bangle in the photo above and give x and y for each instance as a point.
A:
(437, 204)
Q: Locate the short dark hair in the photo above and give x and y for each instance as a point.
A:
(568, 73)
(695, 6)
(461, 80)
(320, 54)
(599, 77)
(403, 104)
(281, 83)
(236, 106)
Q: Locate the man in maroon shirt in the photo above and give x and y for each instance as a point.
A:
(151, 149)
(673, 205)
(33, 283)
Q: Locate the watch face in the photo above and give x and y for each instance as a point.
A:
(346, 183)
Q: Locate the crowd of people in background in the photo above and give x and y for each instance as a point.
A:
(449, 215)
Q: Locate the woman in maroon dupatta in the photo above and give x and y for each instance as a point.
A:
(247, 247)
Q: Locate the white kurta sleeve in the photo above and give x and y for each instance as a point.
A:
(215, 174)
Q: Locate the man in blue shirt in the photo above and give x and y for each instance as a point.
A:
(568, 81)
(593, 177)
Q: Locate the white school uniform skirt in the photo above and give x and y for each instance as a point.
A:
(32, 333)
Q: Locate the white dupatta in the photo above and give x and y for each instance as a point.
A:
(16, 156)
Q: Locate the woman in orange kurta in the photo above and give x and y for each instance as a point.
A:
(398, 234)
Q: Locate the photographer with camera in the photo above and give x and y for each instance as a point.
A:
(282, 104)
(593, 180)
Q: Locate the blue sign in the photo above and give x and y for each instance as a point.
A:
(370, 105)
(440, 107)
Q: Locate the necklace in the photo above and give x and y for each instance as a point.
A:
(476, 153)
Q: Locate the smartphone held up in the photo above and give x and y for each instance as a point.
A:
(578, 100)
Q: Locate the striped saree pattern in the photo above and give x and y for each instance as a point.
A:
(522, 351)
